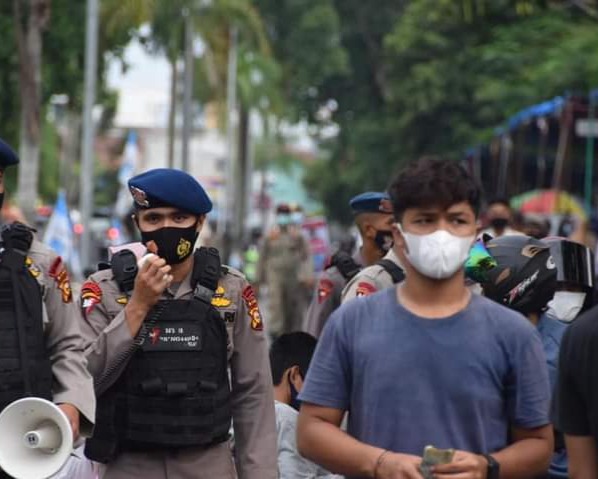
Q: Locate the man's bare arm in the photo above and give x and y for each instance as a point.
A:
(529, 454)
(320, 439)
(581, 451)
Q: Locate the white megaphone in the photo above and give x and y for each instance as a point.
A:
(36, 439)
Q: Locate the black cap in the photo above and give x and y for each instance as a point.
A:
(7, 155)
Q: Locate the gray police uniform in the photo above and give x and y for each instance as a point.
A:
(371, 279)
(70, 382)
(327, 297)
(178, 378)
(109, 338)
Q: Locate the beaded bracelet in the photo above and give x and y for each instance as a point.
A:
(379, 462)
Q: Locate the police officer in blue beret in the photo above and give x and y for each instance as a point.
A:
(373, 217)
(53, 365)
(162, 338)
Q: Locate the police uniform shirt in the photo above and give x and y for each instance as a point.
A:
(326, 298)
(370, 280)
(72, 382)
(109, 337)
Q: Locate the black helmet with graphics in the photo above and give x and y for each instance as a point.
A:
(525, 275)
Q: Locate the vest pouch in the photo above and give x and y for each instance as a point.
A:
(175, 391)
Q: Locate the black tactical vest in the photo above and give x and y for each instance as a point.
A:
(25, 368)
(175, 391)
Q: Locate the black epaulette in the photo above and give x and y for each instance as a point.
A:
(346, 265)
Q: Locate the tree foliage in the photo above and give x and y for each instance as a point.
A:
(428, 77)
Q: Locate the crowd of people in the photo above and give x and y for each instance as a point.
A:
(440, 348)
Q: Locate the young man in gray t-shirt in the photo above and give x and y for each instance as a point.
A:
(428, 363)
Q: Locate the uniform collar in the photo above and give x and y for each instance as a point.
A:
(184, 289)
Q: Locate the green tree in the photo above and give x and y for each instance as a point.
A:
(437, 76)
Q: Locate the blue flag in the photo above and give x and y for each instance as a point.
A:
(60, 236)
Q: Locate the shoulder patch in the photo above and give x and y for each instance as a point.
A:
(61, 277)
(365, 289)
(253, 309)
(325, 288)
(91, 294)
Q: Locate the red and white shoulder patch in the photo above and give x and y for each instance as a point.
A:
(91, 294)
(365, 289)
(325, 288)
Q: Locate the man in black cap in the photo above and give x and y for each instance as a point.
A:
(52, 365)
(162, 337)
(373, 217)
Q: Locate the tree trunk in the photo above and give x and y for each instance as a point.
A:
(241, 179)
(172, 112)
(31, 18)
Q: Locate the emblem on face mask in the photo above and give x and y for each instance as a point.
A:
(182, 250)
(140, 197)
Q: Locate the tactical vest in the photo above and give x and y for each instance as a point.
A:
(174, 392)
(349, 268)
(25, 368)
(346, 265)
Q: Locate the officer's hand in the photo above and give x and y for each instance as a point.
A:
(152, 279)
(399, 466)
(465, 464)
(72, 413)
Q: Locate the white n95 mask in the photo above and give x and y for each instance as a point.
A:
(437, 255)
(566, 305)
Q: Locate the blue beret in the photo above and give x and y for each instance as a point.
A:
(371, 202)
(7, 155)
(169, 187)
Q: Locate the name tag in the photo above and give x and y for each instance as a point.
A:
(174, 337)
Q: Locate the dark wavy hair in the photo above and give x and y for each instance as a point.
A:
(431, 182)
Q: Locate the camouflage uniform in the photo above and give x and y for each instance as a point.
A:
(282, 267)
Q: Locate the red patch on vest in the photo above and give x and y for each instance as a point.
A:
(325, 288)
(91, 294)
(61, 276)
(365, 289)
(253, 310)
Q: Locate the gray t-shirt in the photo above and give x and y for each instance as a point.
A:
(407, 382)
(291, 464)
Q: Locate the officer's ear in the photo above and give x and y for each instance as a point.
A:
(201, 219)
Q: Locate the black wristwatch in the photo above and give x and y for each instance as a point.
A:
(493, 467)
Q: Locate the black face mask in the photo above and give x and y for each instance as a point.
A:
(175, 245)
(384, 240)
(499, 223)
(1, 200)
(295, 403)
